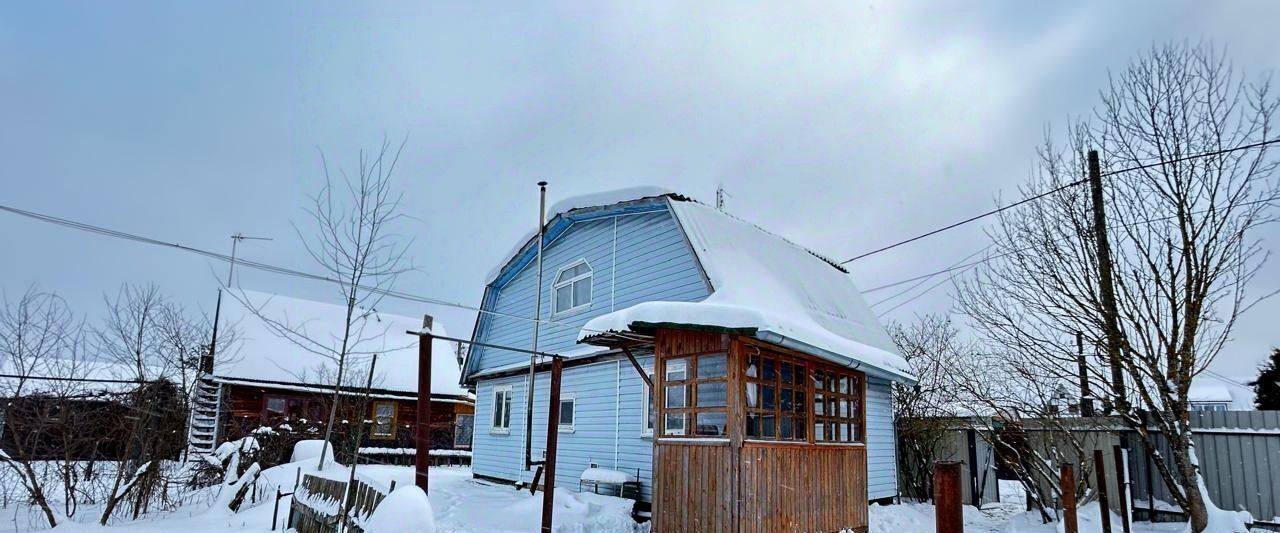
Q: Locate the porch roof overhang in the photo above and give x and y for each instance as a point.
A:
(640, 334)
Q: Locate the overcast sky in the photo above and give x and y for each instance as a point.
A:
(843, 126)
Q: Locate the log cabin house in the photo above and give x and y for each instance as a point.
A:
(279, 373)
(769, 408)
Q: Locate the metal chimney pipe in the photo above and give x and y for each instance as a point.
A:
(537, 321)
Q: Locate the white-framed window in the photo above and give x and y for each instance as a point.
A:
(648, 415)
(501, 420)
(568, 411)
(572, 288)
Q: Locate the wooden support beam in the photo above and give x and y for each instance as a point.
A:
(1122, 493)
(553, 434)
(1104, 505)
(1070, 522)
(422, 440)
(947, 500)
(639, 369)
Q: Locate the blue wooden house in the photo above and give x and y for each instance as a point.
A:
(770, 401)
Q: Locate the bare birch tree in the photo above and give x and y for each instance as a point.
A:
(1181, 224)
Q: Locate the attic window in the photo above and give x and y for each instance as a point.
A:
(572, 288)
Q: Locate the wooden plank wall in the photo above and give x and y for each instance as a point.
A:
(802, 488)
(698, 487)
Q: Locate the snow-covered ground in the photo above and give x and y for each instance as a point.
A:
(462, 504)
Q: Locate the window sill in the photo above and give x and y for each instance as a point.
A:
(570, 311)
(566, 429)
(499, 431)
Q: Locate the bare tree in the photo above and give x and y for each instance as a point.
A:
(354, 243)
(35, 332)
(1182, 229)
(921, 415)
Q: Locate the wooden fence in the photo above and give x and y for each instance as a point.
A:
(319, 504)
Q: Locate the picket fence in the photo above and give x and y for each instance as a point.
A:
(319, 504)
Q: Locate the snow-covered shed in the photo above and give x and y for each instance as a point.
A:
(770, 375)
(281, 366)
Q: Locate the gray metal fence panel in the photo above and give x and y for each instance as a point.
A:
(1239, 453)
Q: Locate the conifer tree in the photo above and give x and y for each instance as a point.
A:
(1266, 389)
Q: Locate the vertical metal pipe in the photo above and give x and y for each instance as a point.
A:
(537, 321)
(1122, 492)
(553, 434)
(947, 499)
(422, 447)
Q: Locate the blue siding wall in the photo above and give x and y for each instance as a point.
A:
(882, 464)
(652, 260)
(608, 426)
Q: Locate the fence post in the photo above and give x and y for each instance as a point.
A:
(949, 517)
(1069, 521)
(1104, 507)
(1122, 486)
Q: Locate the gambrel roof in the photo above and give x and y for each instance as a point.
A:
(761, 285)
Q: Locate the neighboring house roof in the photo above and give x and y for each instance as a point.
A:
(1210, 388)
(271, 330)
(761, 284)
(75, 370)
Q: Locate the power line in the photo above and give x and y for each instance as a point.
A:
(923, 279)
(100, 230)
(1016, 250)
(1055, 191)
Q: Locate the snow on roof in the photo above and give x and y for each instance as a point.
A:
(1211, 388)
(765, 283)
(75, 369)
(264, 349)
(569, 204)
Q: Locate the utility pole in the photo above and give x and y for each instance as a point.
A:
(1086, 398)
(206, 364)
(1106, 287)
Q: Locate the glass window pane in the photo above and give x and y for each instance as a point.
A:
(564, 297)
(753, 394)
(674, 424)
(799, 401)
(759, 426)
(784, 400)
(712, 424)
(677, 396)
(844, 408)
(714, 394)
(566, 412)
(844, 384)
(800, 429)
(770, 370)
(677, 369)
(712, 366)
(819, 405)
(799, 379)
(818, 434)
(582, 292)
(787, 373)
(786, 427)
(753, 366)
(767, 397)
(275, 405)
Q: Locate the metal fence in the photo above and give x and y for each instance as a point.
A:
(1239, 453)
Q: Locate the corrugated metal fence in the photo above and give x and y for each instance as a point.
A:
(1239, 454)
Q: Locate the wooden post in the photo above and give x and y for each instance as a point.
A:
(1069, 521)
(1104, 506)
(553, 434)
(949, 517)
(1122, 495)
(422, 455)
(1106, 286)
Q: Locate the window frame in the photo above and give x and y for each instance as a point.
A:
(689, 384)
(648, 406)
(457, 423)
(572, 400)
(558, 283)
(503, 407)
(799, 413)
(374, 434)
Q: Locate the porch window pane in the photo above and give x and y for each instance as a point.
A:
(677, 397)
(713, 394)
(710, 424)
(712, 366)
(674, 424)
